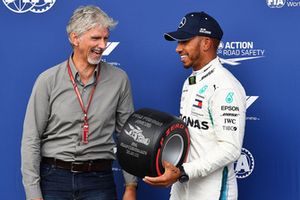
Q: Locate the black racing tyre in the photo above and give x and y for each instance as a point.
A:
(148, 137)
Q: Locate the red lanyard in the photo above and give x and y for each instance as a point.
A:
(85, 128)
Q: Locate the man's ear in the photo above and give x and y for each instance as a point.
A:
(207, 43)
(74, 39)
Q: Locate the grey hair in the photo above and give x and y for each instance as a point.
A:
(86, 17)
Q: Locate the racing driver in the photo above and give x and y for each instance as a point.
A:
(213, 105)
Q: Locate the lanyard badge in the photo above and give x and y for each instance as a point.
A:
(85, 132)
(85, 127)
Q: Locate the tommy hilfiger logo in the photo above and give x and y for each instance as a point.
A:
(198, 103)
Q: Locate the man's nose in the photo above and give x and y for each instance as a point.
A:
(102, 44)
(178, 48)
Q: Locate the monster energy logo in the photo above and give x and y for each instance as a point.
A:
(192, 80)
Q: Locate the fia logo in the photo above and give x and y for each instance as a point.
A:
(23, 6)
(276, 3)
(244, 166)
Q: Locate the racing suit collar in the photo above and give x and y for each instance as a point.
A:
(206, 67)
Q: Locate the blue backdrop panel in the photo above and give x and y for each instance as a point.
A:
(260, 47)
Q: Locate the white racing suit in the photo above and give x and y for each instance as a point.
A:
(213, 105)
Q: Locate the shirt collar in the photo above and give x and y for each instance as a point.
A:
(75, 73)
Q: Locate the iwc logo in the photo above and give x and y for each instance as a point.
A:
(23, 6)
(244, 166)
(275, 3)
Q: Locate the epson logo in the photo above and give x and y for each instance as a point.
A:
(230, 108)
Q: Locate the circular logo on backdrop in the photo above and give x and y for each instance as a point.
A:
(244, 166)
(275, 3)
(35, 6)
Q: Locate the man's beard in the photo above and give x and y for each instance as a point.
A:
(94, 61)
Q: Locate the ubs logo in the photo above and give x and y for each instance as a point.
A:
(23, 6)
(244, 166)
(276, 3)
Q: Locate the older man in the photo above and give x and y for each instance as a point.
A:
(74, 109)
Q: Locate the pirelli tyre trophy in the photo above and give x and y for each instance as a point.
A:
(149, 137)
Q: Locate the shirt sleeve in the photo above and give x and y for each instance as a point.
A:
(125, 105)
(34, 124)
(124, 110)
(227, 110)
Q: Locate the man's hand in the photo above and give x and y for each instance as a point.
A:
(130, 192)
(170, 176)
(37, 199)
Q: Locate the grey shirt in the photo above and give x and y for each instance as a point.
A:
(54, 119)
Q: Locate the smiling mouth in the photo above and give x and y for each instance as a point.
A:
(183, 57)
(97, 51)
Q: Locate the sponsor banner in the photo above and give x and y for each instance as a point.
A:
(234, 52)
